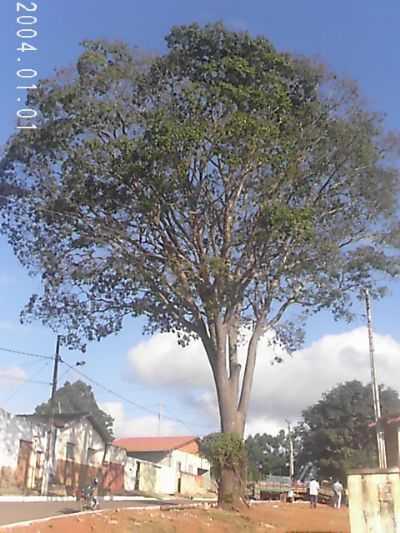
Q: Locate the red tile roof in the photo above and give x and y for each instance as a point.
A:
(152, 444)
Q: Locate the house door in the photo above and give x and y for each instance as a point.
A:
(24, 459)
(179, 476)
(69, 474)
(137, 479)
(39, 470)
(69, 467)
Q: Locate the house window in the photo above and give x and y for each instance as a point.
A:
(90, 455)
(70, 451)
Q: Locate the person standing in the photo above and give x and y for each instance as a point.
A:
(338, 490)
(313, 488)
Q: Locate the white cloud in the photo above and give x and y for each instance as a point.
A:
(263, 425)
(284, 390)
(161, 361)
(281, 390)
(141, 426)
(12, 376)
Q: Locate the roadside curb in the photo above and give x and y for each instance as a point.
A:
(45, 499)
(10, 527)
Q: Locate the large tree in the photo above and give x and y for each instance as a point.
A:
(336, 432)
(78, 397)
(267, 454)
(210, 189)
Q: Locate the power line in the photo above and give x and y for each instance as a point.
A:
(105, 388)
(64, 375)
(127, 400)
(28, 354)
(17, 389)
(117, 395)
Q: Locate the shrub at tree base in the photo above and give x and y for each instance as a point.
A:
(227, 455)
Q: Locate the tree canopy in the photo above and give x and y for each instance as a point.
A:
(267, 454)
(78, 397)
(335, 431)
(209, 189)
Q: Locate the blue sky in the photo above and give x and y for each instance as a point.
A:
(357, 38)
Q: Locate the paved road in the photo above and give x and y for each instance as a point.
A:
(19, 512)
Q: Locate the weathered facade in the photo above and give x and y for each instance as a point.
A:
(374, 500)
(22, 447)
(81, 453)
(374, 493)
(173, 464)
(391, 428)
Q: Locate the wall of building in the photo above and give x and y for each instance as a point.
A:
(81, 455)
(180, 471)
(167, 480)
(91, 458)
(148, 477)
(113, 478)
(191, 485)
(12, 430)
(115, 454)
(22, 451)
(130, 474)
(75, 465)
(392, 445)
(82, 436)
(113, 469)
(22, 446)
(374, 500)
(188, 462)
(145, 476)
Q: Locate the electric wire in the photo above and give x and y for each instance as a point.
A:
(16, 390)
(117, 395)
(48, 358)
(28, 354)
(64, 375)
(187, 424)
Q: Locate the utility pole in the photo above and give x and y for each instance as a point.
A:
(159, 419)
(50, 443)
(291, 451)
(375, 390)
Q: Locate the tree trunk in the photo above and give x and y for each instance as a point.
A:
(231, 489)
(232, 402)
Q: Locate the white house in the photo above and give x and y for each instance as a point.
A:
(177, 467)
(82, 451)
(22, 448)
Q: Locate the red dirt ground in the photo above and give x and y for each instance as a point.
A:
(274, 517)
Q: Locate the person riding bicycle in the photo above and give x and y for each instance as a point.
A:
(89, 495)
